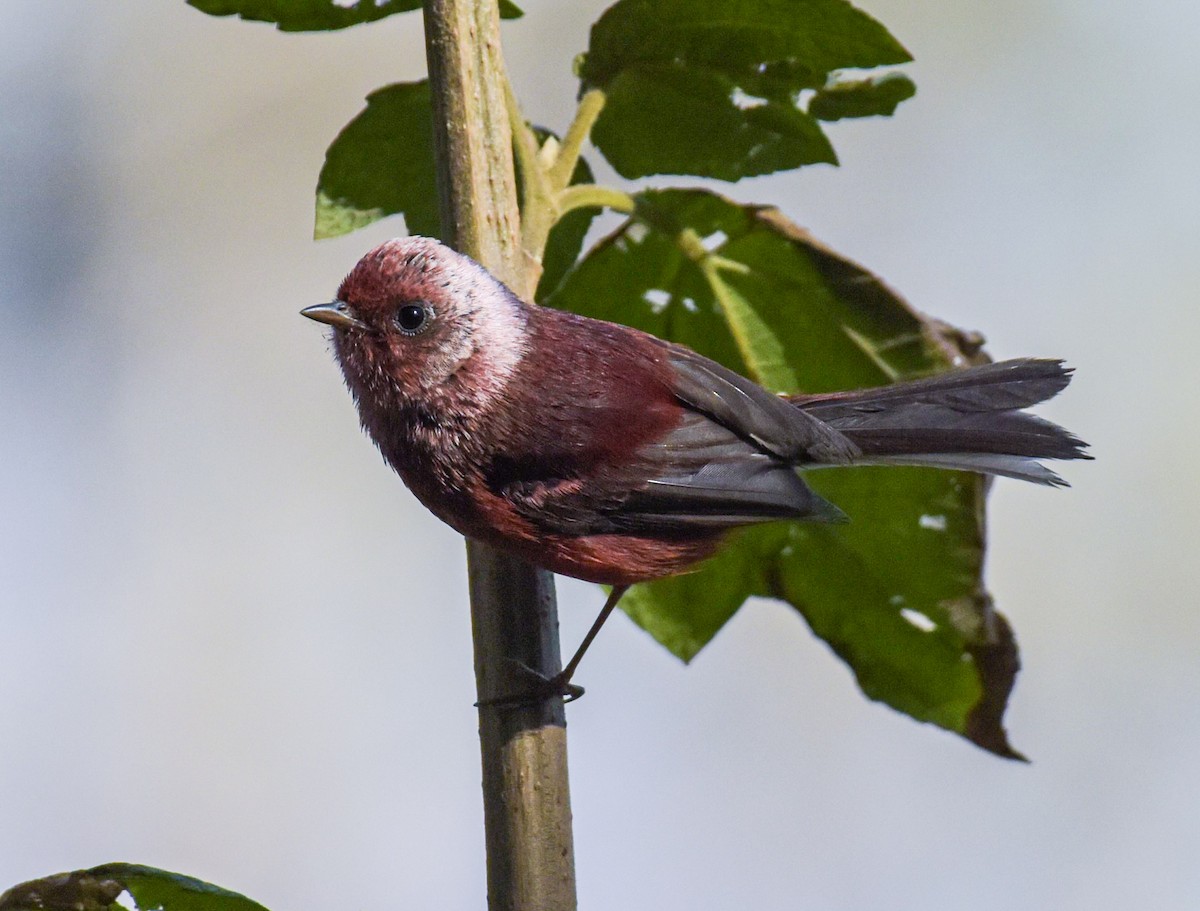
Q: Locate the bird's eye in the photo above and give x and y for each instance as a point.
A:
(412, 318)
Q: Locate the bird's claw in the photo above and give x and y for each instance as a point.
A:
(541, 688)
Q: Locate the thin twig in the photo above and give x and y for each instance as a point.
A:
(590, 106)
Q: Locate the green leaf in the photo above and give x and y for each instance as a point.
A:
(668, 119)
(710, 87)
(760, 347)
(738, 36)
(319, 15)
(898, 592)
(862, 97)
(97, 889)
(382, 164)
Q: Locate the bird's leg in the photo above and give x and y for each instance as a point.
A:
(560, 684)
(563, 677)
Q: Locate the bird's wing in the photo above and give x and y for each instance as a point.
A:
(702, 475)
(644, 437)
(699, 476)
(754, 413)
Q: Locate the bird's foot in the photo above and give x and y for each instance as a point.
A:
(539, 688)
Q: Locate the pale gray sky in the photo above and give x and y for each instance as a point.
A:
(236, 647)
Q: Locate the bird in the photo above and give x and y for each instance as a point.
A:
(601, 452)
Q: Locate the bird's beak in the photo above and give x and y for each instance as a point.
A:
(336, 313)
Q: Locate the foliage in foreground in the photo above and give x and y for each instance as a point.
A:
(725, 89)
(719, 89)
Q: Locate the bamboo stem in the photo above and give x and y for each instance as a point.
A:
(527, 808)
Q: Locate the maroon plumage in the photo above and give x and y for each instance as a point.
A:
(600, 452)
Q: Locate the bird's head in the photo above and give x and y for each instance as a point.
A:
(414, 317)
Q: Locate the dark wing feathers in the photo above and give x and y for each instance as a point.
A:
(977, 410)
(755, 414)
(653, 438)
(1004, 386)
(703, 475)
(700, 476)
(679, 445)
(969, 420)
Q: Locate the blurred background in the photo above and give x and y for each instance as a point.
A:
(235, 646)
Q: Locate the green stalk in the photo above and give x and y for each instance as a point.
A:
(527, 804)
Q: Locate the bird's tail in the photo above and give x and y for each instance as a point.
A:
(969, 419)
